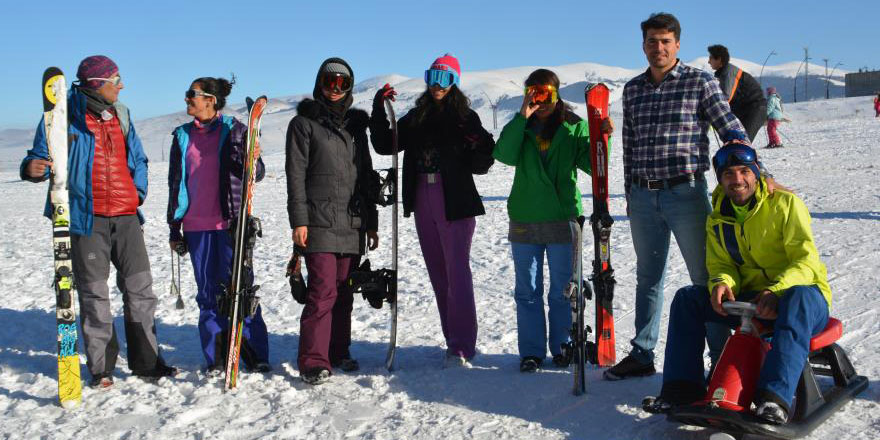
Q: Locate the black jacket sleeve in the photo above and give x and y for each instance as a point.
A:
(381, 134)
(296, 162)
(481, 145)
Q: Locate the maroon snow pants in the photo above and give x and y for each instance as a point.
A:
(325, 325)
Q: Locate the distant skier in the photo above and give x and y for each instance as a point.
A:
(444, 145)
(877, 105)
(774, 118)
(204, 194)
(546, 143)
(327, 162)
(743, 93)
(760, 249)
(107, 181)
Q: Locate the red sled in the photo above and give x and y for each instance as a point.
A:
(726, 406)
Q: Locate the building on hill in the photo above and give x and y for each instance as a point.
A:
(863, 83)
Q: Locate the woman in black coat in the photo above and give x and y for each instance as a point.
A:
(327, 166)
(444, 145)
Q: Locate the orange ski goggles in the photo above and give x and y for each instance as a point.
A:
(543, 93)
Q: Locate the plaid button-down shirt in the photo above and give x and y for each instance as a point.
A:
(665, 126)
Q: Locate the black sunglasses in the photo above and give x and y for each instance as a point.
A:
(190, 94)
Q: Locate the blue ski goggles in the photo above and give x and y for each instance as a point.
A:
(442, 78)
(734, 154)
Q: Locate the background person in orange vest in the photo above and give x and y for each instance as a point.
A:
(743, 93)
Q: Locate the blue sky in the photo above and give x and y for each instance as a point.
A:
(275, 47)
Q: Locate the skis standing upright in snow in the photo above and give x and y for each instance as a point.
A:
(392, 294)
(55, 126)
(602, 352)
(240, 294)
(577, 293)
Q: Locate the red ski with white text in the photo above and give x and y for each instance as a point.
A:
(602, 351)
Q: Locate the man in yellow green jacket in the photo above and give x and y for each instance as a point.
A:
(759, 248)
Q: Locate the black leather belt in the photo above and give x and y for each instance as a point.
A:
(658, 184)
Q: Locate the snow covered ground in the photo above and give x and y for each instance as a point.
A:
(832, 163)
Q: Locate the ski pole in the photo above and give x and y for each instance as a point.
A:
(786, 137)
(175, 278)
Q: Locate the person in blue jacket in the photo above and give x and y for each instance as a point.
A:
(107, 181)
(204, 196)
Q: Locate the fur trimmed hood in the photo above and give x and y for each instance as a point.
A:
(355, 119)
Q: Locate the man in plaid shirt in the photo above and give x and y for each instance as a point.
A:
(666, 116)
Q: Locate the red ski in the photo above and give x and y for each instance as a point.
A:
(603, 353)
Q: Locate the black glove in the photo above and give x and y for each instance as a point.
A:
(298, 288)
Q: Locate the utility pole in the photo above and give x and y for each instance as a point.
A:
(806, 73)
(795, 80)
(761, 75)
(494, 106)
(827, 79)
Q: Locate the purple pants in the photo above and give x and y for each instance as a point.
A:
(446, 246)
(325, 325)
(772, 134)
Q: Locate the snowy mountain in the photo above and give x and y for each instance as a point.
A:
(503, 87)
(831, 162)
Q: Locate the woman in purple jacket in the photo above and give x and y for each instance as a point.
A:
(204, 194)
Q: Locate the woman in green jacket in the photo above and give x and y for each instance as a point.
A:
(547, 143)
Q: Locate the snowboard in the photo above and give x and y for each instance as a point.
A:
(55, 126)
(240, 294)
(392, 296)
(602, 350)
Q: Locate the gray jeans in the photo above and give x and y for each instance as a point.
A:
(118, 240)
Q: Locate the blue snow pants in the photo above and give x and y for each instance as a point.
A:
(802, 313)
(211, 255)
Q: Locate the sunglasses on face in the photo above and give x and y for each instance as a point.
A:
(115, 80)
(336, 82)
(441, 78)
(543, 93)
(734, 154)
(190, 94)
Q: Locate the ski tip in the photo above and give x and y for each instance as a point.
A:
(591, 86)
(51, 72)
(251, 101)
(52, 85)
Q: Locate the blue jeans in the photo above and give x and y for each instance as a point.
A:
(802, 313)
(654, 214)
(531, 327)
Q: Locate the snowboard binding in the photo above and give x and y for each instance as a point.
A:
(727, 404)
(387, 178)
(376, 286)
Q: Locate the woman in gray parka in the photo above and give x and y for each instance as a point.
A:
(328, 165)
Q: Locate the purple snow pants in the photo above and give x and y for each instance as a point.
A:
(446, 246)
(326, 319)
